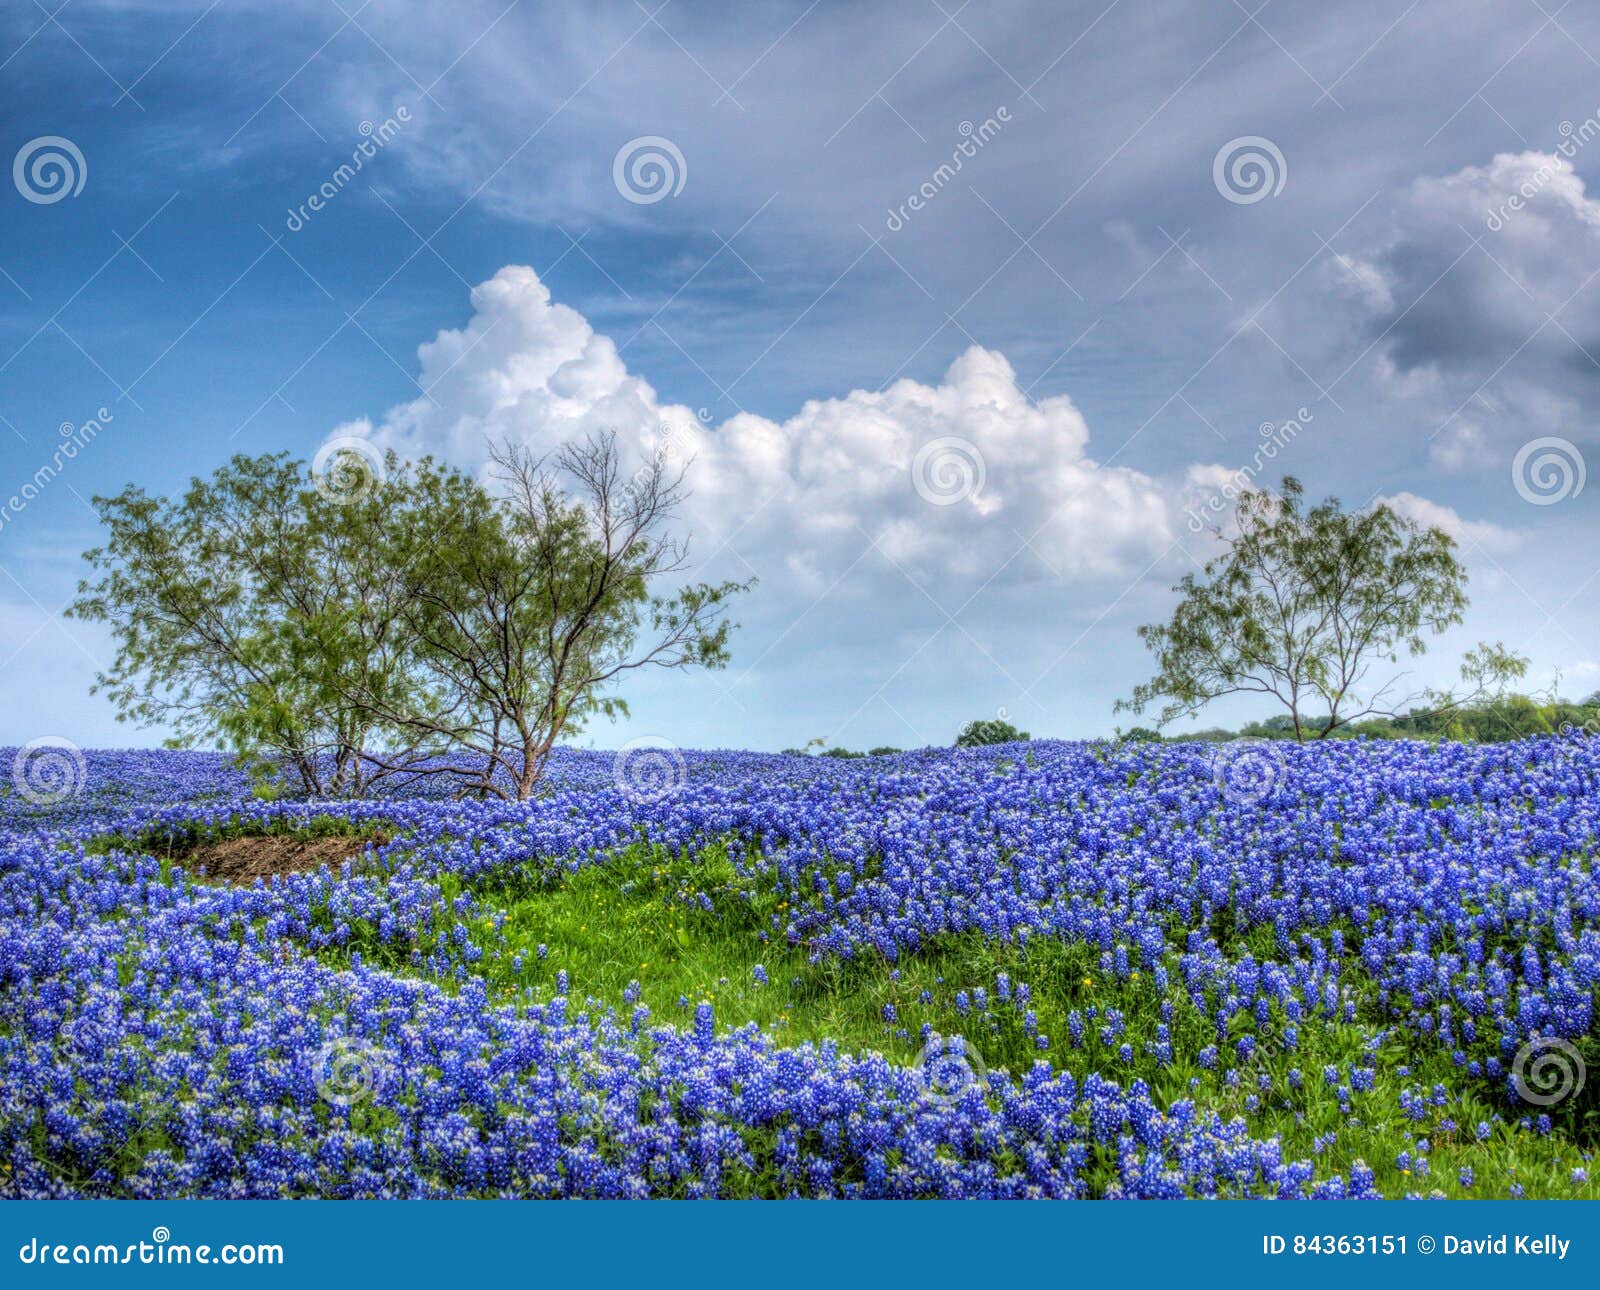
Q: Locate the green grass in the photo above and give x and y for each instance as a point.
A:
(632, 931)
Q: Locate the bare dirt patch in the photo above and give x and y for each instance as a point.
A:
(240, 861)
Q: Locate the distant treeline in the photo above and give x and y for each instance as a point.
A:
(1512, 716)
(844, 753)
(982, 733)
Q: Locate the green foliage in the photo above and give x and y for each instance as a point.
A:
(980, 734)
(1512, 716)
(360, 626)
(1489, 720)
(1301, 604)
(245, 610)
(1139, 735)
(528, 606)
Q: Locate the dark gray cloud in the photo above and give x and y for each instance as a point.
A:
(1482, 303)
(1492, 261)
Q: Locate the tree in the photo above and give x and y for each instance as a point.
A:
(527, 607)
(380, 620)
(245, 610)
(982, 733)
(1301, 604)
(1139, 735)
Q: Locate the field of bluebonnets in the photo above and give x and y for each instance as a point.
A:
(1036, 970)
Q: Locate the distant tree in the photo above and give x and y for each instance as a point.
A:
(1492, 716)
(244, 610)
(1139, 735)
(1301, 604)
(1210, 735)
(1278, 726)
(884, 752)
(978, 734)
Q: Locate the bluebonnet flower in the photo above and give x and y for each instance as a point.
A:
(1130, 856)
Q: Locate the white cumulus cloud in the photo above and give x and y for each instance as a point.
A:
(925, 537)
(1469, 533)
(837, 484)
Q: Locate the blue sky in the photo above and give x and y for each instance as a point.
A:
(1078, 333)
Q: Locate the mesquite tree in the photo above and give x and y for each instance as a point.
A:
(529, 604)
(247, 609)
(396, 619)
(1303, 605)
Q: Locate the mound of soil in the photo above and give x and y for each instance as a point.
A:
(241, 861)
